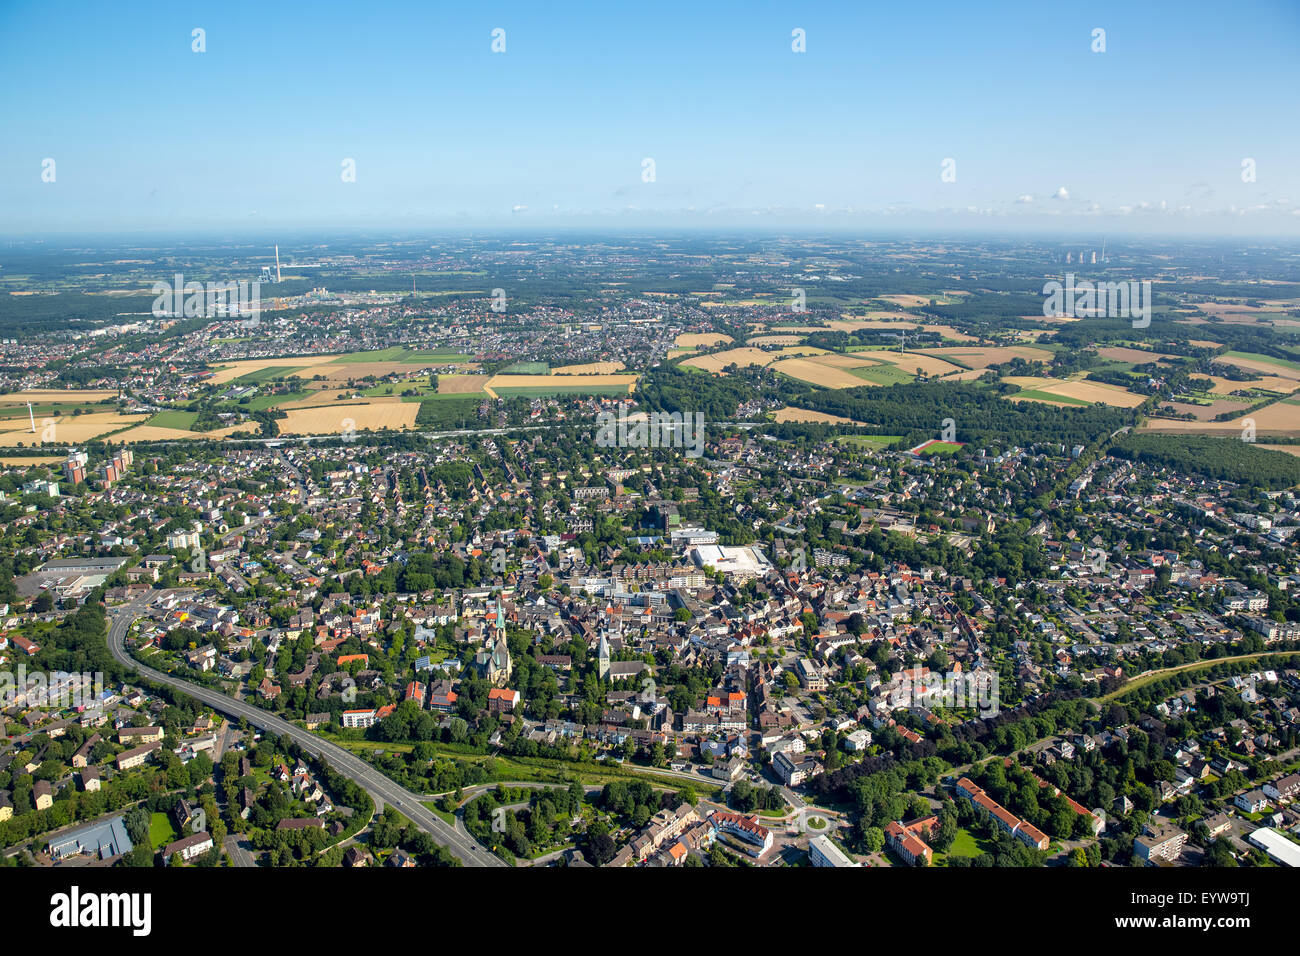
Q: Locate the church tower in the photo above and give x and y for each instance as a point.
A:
(602, 657)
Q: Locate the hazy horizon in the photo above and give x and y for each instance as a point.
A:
(1044, 133)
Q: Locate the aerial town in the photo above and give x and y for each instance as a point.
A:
(394, 581)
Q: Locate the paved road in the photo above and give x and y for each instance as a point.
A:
(382, 789)
(240, 851)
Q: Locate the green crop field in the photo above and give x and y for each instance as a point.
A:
(262, 374)
(882, 374)
(1036, 395)
(174, 418)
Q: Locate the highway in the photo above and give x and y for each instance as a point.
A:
(380, 788)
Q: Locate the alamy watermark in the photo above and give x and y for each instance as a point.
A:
(1085, 299)
(653, 430)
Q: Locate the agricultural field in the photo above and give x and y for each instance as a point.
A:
(1055, 391)
(336, 368)
(916, 301)
(921, 362)
(814, 372)
(701, 339)
(330, 419)
(174, 419)
(1281, 419)
(63, 430)
(591, 368)
(18, 461)
(57, 396)
(1226, 386)
(716, 362)
(1119, 353)
(1263, 364)
(526, 368)
(1204, 413)
(148, 432)
(978, 359)
(792, 414)
(538, 386)
(462, 384)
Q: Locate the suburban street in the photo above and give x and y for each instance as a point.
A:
(380, 788)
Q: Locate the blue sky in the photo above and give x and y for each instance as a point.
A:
(147, 135)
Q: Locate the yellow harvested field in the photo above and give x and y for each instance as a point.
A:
(541, 381)
(791, 414)
(747, 356)
(1205, 344)
(234, 370)
(1275, 369)
(1118, 353)
(701, 339)
(49, 396)
(591, 368)
(965, 375)
(1280, 418)
(143, 433)
(1093, 392)
(334, 419)
(855, 360)
(461, 384)
(818, 373)
(919, 363)
(17, 461)
(948, 332)
(1226, 386)
(982, 358)
(67, 429)
(908, 301)
(1289, 449)
(678, 353)
(776, 340)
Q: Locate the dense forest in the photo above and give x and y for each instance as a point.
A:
(1223, 459)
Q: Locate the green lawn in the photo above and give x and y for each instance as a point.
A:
(162, 831)
(965, 845)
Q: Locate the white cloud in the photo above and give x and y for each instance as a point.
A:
(1061, 193)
